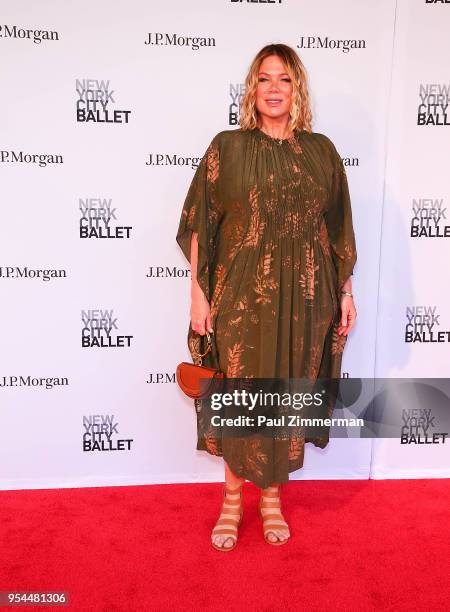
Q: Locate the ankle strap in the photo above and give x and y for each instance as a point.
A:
(232, 491)
(275, 492)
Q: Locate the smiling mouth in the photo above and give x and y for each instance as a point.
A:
(273, 101)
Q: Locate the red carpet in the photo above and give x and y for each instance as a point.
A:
(356, 545)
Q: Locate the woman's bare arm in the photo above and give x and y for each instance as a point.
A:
(194, 260)
(348, 310)
(347, 286)
(200, 310)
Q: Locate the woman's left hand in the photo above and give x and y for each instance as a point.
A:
(348, 316)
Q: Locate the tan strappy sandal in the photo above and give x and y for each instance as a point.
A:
(230, 517)
(270, 498)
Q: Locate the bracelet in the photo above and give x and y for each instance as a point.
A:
(347, 293)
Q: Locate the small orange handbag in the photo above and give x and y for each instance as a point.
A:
(196, 380)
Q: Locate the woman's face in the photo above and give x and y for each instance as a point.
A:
(274, 90)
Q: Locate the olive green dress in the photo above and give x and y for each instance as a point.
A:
(276, 244)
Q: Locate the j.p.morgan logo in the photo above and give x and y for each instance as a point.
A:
(166, 272)
(433, 104)
(429, 217)
(157, 378)
(43, 274)
(40, 159)
(177, 40)
(237, 91)
(419, 427)
(99, 220)
(100, 433)
(324, 42)
(38, 382)
(95, 103)
(37, 36)
(167, 159)
(100, 330)
(422, 325)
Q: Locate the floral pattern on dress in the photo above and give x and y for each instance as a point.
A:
(276, 243)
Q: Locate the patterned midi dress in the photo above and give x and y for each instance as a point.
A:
(276, 243)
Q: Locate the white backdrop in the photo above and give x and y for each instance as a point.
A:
(137, 163)
(414, 275)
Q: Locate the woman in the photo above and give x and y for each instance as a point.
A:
(267, 228)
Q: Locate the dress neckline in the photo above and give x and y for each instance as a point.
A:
(278, 141)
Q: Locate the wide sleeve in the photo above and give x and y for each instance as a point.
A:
(339, 222)
(201, 214)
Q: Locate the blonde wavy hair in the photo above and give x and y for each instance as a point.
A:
(300, 116)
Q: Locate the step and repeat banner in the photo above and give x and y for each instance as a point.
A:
(413, 322)
(105, 115)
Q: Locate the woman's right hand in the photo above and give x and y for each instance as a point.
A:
(200, 311)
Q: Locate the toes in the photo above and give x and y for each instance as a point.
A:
(275, 536)
(218, 540)
(223, 541)
(282, 535)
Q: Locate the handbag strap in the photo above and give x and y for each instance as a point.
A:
(211, 356)
(198, 358)
(208, 355)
